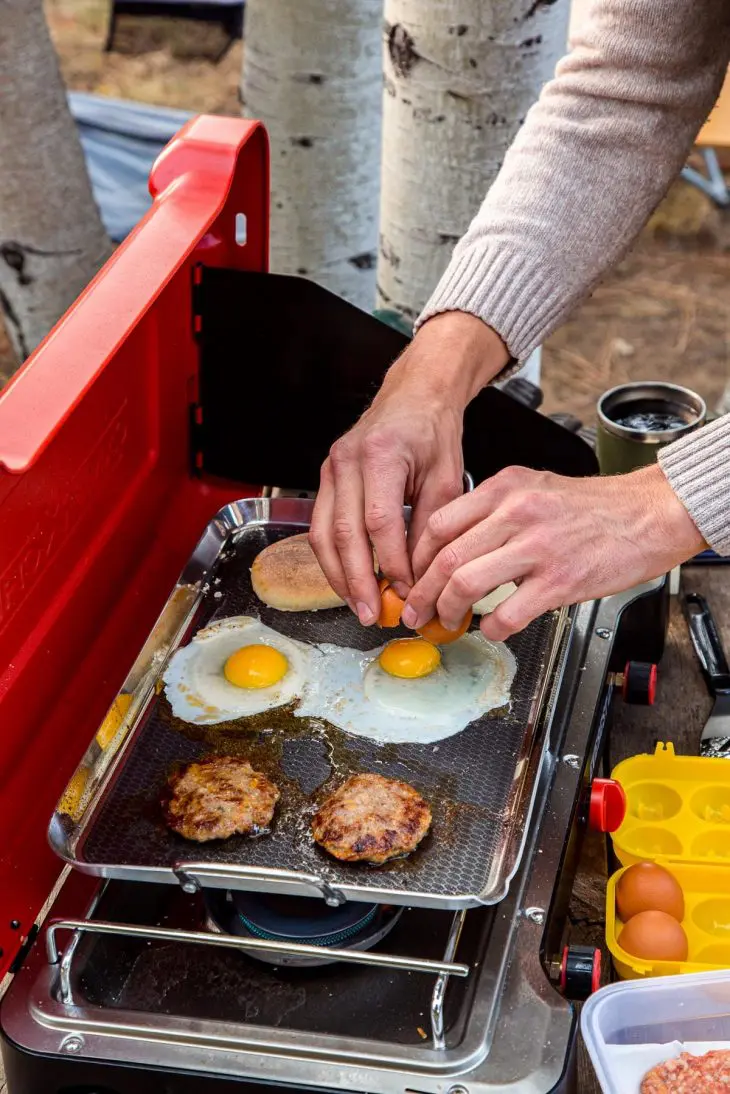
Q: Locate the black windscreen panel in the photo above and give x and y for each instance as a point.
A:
(286, 367)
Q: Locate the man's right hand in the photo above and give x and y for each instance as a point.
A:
(406, 449)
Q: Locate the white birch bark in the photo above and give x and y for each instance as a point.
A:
(460, 76)
(312, 72)
(51, 237)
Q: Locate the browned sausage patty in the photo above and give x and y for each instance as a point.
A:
(372, 819)
(688, 1074)
(218, 798)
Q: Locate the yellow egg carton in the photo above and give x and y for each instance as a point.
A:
(706, 923)
(678, 815)
(677, 808)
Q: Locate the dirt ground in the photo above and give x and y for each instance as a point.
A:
(664, 314)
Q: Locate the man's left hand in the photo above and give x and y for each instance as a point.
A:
(561, 540)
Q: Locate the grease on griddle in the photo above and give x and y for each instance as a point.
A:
(264, 740)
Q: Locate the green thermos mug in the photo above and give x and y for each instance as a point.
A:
(636, 420)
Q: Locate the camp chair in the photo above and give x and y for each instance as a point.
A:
(714, 134)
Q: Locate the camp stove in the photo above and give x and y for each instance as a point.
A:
(181, 409)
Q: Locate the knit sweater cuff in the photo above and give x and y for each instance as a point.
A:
(502, 288)
(698, 469)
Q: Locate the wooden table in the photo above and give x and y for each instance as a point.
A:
(679, 715)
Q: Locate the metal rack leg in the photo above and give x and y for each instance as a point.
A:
(438, 1035)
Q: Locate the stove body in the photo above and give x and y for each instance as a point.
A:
(184, 378)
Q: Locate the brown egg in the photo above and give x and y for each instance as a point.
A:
(654, 936)
(647, 887)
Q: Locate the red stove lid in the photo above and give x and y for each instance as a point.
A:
(98, 509)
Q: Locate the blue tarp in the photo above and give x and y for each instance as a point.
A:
(121, 141)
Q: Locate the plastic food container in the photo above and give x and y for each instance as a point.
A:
(678, 815)
(629, 1028)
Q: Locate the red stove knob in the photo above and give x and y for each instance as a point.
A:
(580, 972)
(607, 807)
(639, 686)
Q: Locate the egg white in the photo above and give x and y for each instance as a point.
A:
(198, 690)
(351, 691)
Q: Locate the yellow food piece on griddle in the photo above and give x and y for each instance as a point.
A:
(115, 715)
(70, 803)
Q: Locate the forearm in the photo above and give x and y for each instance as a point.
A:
(698, 469)
(448, 362)
(595, 156)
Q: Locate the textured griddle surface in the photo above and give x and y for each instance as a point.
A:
(468, 779)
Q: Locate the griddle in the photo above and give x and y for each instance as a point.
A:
(479, 782)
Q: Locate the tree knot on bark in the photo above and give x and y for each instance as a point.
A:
(402, 50)
(387, 252)
(536, 5)
(365, 261)
(15, 255)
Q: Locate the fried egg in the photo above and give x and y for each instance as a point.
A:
(235, 668)
(359, 693)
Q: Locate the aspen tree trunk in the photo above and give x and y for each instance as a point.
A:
(312, 72)
(52, 240)
(460, 76)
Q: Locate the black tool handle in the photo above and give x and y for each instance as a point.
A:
(568, 421)
(524, 391)
(707, 643)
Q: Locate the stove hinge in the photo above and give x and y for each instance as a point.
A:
(196, 409)
(197, 295)
(196, 447)
(24, 949)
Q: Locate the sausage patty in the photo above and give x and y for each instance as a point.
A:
(218, 798)
(372, 819)
(688, 1074)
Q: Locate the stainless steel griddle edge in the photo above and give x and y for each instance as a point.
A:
(540, 662)
(519, 1026)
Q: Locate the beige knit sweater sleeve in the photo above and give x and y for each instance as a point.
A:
(595, 156)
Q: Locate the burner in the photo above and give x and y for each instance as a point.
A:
(299, 919)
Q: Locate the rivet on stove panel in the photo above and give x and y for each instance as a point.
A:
(72, 1044)
(603, 632)
(535, 915)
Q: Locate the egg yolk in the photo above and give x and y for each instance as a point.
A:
(256, 666)
(409, 658)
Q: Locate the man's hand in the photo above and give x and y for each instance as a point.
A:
(405, 449)
(562, 540)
